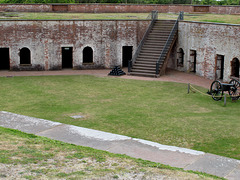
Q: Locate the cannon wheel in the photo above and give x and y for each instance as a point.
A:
(234, 91)
(216, 90)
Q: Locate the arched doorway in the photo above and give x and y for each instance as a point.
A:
(25, 56)
(235, 67)
(180, 58)
(87, 55)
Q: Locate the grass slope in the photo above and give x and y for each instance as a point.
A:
(158, 111)
(217, 18)
(26, 156)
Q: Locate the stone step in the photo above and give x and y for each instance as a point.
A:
(143, 70)
(143, 74)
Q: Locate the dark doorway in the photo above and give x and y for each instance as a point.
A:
(219, 67)
(235, 67)
(126, 55)
(25, 56)
(67, 57)
(4, 59)
(180, 59)
(193, 60)
(87, 55)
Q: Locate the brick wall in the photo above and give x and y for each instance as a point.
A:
(107, 37)
(208, 40)
(118, 8)
(45, 40)
(26, 7)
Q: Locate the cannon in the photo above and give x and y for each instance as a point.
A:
(218, 88)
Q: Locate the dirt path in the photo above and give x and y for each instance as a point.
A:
(171, 75)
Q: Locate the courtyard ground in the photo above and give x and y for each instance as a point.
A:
(34, 103)
(170, 76)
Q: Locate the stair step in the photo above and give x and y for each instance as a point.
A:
(143, 74)
(149, 46)
(159, 38)
(149, 56)
(156, 38)
(157, 43)
(145, 60)
(144, 71)
(150, 51)
(147, 63)
(144, 68)
(153, 65)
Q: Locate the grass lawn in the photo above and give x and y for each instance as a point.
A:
(218, 18)
(25, 156)
(158, 111)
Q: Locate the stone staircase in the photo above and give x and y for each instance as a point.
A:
(145, 63)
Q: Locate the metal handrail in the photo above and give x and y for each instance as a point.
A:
(169, 41)
(154, 17)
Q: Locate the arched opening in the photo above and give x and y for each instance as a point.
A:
(180, 58)
(87, 55)
(235, 67)
(25, 56)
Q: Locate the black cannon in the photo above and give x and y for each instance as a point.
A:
(217, 89)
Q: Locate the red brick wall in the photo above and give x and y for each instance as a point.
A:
(118, 8)
(26, 7)
(60, 8)
(45, 38)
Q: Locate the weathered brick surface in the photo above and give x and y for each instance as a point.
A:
(45, 39)
(208, 39)
(60, 8)
(26, 7)
(225, 9)
(118, 8)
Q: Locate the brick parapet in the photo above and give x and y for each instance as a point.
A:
(119, 8)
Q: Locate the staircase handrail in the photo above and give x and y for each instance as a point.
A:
(154, 17)
(171, 35)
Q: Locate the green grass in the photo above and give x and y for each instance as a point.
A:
(59, 16)
(162, 112)
(32, 157)
(218, 18)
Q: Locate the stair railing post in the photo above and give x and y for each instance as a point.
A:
(181, 15)
(154, 15)
(129, 65)
(157, 68)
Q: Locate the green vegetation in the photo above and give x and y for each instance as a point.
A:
(20, 15)
(28, 156)
(158, 111)
(219, 18)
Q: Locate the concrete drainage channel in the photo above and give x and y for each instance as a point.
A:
(169, 155)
